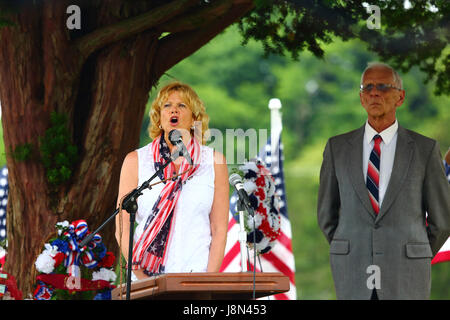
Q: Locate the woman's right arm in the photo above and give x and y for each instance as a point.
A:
(128, 182)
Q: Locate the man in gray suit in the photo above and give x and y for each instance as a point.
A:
(384, 201)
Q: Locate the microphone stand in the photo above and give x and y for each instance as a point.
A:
(242, 235)
(241, 204)
(130, 205)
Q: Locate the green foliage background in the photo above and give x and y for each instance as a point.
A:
(320, 99)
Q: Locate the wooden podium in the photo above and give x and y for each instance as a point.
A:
(205, 286)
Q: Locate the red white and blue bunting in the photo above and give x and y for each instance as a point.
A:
(64, 265)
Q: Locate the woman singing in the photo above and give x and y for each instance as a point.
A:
(181, 222)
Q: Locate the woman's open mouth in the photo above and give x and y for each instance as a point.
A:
(174, 121)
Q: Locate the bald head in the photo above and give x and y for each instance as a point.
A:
(379, 65)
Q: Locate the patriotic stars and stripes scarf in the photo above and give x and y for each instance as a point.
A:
(150, 250)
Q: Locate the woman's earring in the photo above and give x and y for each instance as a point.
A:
(160, 127)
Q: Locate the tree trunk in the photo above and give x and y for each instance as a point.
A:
(21, 93)
(101, 82)
(106, 106)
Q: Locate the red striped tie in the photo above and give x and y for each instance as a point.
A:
(373, 174)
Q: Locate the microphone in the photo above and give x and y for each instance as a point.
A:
(175, 138)
(236, 181)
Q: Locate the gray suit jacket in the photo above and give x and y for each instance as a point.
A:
(399, 241)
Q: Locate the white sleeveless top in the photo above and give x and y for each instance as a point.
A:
(188, 249)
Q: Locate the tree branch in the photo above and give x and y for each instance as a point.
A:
(198, 18)
(123, 29)
(177, 46)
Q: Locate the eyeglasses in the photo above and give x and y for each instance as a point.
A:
(383, 87)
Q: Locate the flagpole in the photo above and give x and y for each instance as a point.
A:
(275, 129)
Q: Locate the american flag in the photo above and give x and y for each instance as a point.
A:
(3, 203)
(280, 258)
(444, 253)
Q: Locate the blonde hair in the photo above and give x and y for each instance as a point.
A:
(191, 99)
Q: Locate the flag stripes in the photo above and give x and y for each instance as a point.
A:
(3, 201)
(444, 253)
(269, 265)
(280, 258)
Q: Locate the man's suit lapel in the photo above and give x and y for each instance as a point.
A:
(402, 160)
(355, 168)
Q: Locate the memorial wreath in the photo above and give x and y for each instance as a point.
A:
(264, 227)
(68, 271)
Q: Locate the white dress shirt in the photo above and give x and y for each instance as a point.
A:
(387, 147)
